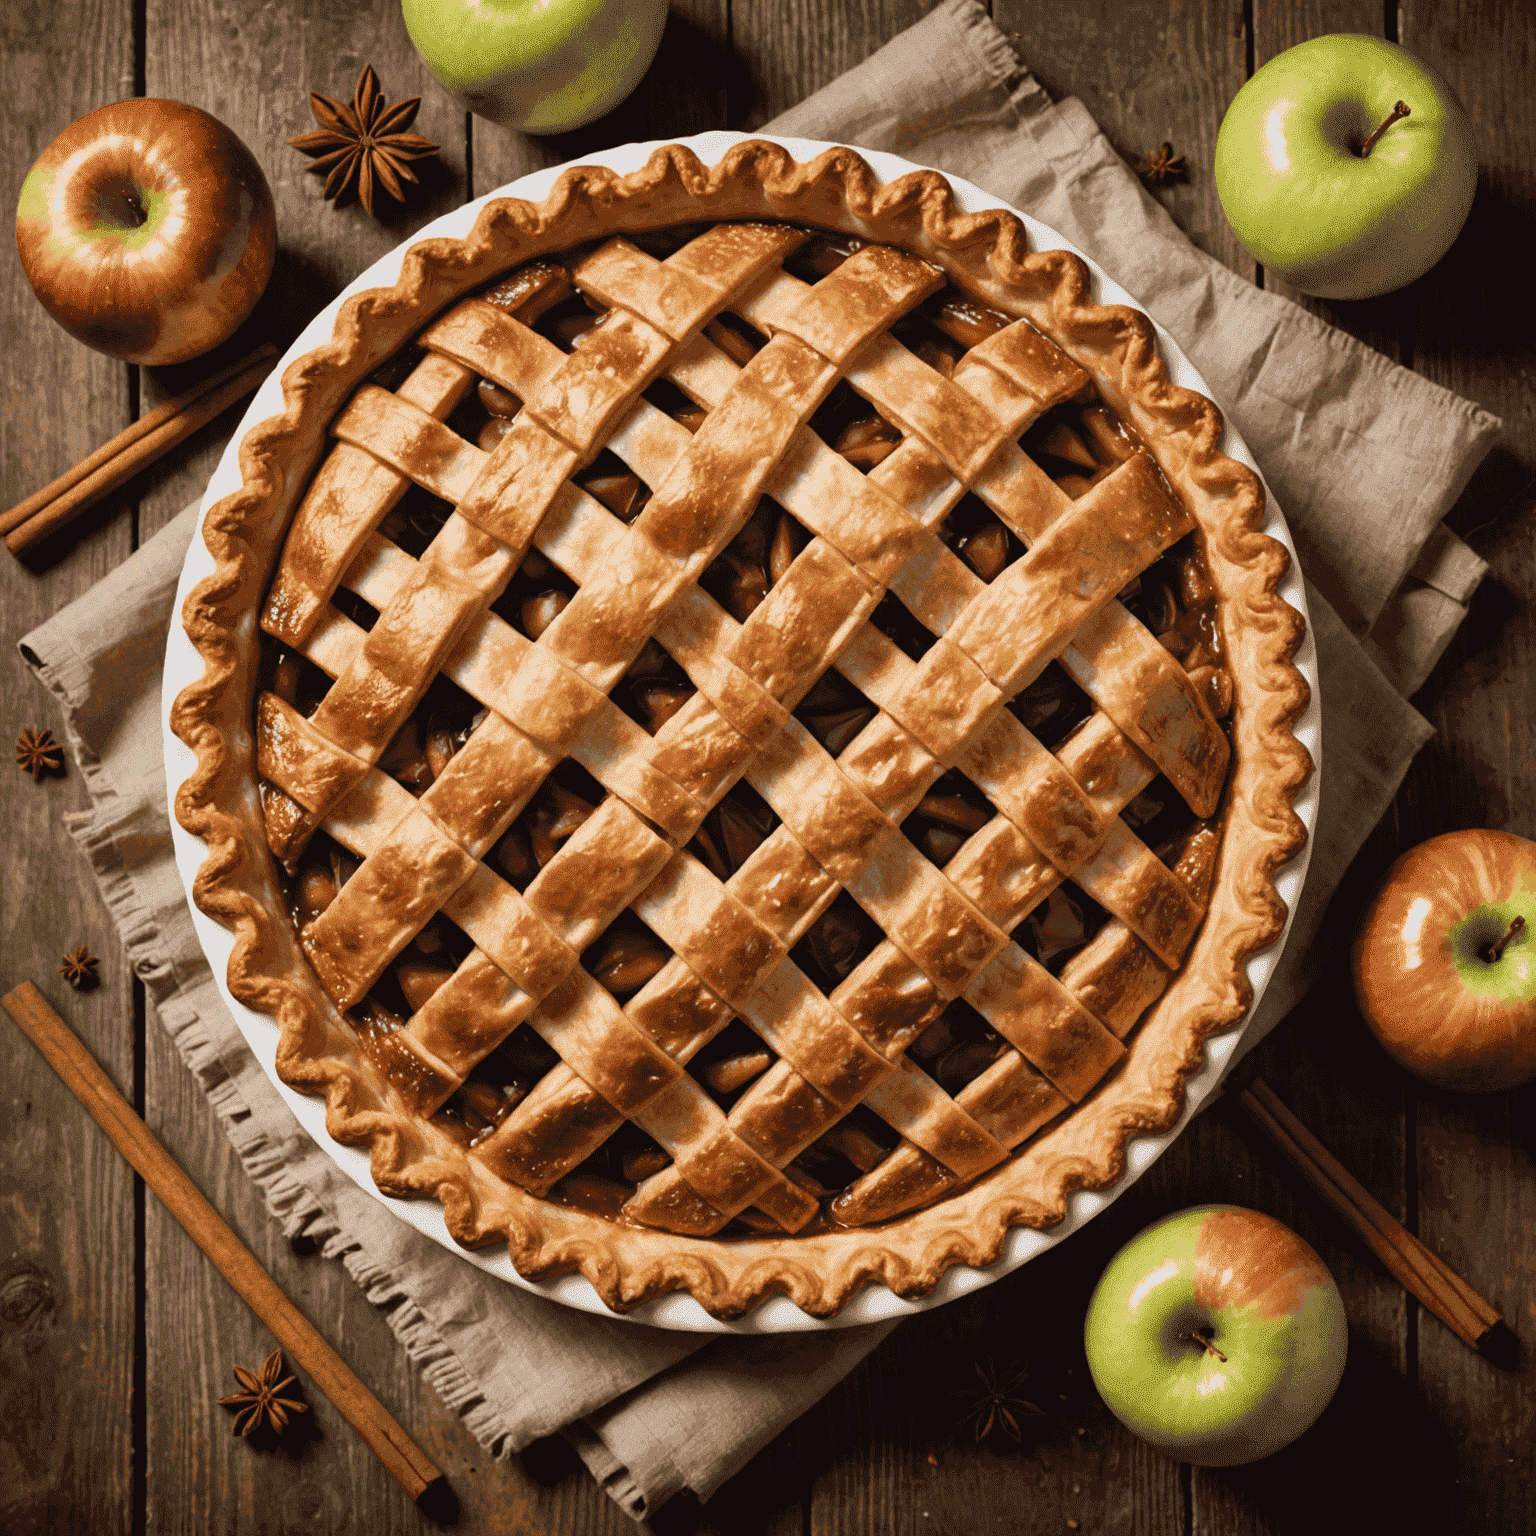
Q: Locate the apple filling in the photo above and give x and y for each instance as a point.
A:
(1077, 443)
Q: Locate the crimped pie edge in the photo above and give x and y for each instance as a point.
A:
(987, 253)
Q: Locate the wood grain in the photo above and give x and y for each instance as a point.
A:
(1476, 1160)
(794, 47)
(66, 1199)
(1148, 74)
(200, 1478)
(1429, 1430)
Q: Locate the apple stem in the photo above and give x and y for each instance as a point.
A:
(1493, 953)
(1398, 112)
(1202, 1337)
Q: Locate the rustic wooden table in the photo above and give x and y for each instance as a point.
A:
(116, 1336)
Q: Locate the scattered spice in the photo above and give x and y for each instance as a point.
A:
(364, 145)
(1162, 166)
(38, 753)
(79, 969)
(997, 1406)
(260, 1404)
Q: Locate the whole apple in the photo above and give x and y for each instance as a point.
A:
(1216, 1335)
(540, 66)
(1316, 196)
(147, 231)
(1444, 961)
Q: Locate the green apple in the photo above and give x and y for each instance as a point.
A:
(540, 66)
(1320, 201)
(1216, 1335)
(1444, 961)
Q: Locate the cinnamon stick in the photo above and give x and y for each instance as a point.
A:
(65, 1053)
(133, 449)
(1422, 1273)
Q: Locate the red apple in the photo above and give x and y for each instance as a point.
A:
(1445, 961)
(147, 230)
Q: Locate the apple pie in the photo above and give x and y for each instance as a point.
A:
(746, 730)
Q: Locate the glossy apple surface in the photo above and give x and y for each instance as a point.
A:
(540, 66)
(1303, 199)
(1217, 1335)
(147, 231)
(1444, 1000)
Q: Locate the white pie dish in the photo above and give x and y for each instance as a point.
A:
(777, 1314)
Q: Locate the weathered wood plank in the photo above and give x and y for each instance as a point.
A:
(1477, 1178)
(913, 1463)
(795, 47)
(1149, 73)
(200, 1477)
(66, 1198)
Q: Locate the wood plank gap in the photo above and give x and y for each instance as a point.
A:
(724, 101)
(1392, 30)
(135, 402)
(469, 156)
(1187, 1497)
(1413, 1316)
(140, 47)
(1250, 54)
(805, 1489)
(138, 1415)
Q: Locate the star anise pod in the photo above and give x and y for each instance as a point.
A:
(78, 968)
(996, 1406)
(38, 753)
(1162, 165)
(364, 145)
(260, 1404)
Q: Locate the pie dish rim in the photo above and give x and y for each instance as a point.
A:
(777, 1313)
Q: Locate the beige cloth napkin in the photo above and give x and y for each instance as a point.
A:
(1364, 457)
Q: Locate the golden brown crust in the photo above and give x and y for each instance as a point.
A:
(237, 885)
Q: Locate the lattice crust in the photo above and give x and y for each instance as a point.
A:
(642, 578)
(545, 698)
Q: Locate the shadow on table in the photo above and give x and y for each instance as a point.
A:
(1373, 1462)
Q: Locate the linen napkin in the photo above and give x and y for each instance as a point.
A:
(1365, 458)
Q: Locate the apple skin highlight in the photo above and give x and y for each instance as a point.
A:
(1436, 1004)
(1212, 1282)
